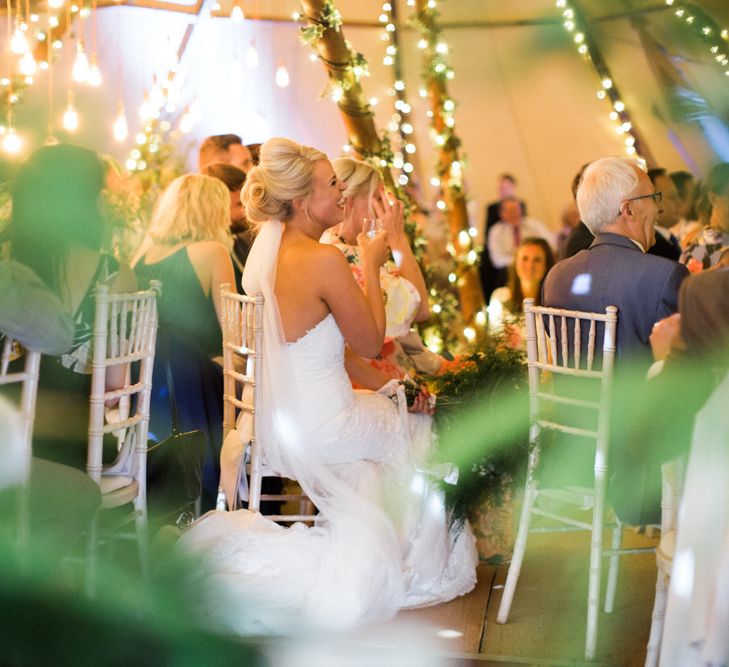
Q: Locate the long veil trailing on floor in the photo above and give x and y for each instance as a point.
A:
(360, 569)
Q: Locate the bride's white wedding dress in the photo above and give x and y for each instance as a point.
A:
(384, 541)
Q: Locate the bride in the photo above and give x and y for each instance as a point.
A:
(382, 542)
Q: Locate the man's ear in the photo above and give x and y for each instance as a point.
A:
(625, 208)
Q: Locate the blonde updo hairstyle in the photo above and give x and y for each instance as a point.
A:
(285, 172)
(361, 178)
(192, 208)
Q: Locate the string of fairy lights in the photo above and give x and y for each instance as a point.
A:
(619, 115)
(715, 37)
(400, 125)
(449, 173)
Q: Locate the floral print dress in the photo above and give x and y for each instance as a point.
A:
(402, 301)
(706, 251)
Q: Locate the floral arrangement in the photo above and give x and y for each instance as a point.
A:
(482, 422)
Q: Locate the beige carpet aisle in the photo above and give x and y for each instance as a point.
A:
(547, 620)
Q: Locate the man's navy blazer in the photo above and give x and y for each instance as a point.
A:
(614, 272)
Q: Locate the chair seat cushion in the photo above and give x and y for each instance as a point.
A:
(111, 483)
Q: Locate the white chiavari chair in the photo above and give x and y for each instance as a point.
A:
(242, 374)
(125, 335)
(561, 350)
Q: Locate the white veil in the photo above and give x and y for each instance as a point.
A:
(360, 570)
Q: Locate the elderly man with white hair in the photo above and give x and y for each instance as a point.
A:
(619, 204)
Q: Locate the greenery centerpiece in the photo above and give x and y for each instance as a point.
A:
(482, 422)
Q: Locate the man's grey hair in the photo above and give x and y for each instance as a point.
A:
(605, 184)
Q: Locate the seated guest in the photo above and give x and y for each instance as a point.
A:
(534, 259)
(506, 235)
(616, 200)
(506, 187)
(401, 280)
(226, 148)
(255, 150)
(233, 179)
(695, 629)
(710, 245)
(62, 499)
(685, 186)
(57, 230)
(666, 244)
(45, 327)
(186, 249)
(580, 238)
(570, 221)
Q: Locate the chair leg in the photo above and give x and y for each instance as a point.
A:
(593, 593)
(659, 614)
(516, 560)
(91, 557)
(612, 582)
(140, 525)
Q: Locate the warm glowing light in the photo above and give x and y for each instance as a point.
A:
(252, 58)
(470, 334)
(27, 65)
(619, 106)
(81, 66)
(607, 83)
(186, 123)
(480, 318)
(373, 101)
(70, 115)
(440, 205)
(55, 4)
(19, 42)
(422, 43)
(12, 143)
(442, 48)
(282, 76)
(236, 14)
(94, 78)
(464, 239)
(435, 181)
(120, 129)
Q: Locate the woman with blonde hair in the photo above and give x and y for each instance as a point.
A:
(400, 278)
(382, 540)
(186, 249)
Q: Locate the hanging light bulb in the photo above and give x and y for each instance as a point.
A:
(70, 115)
(81, 67)
(236, 14)
(12, 143)
(18, 42)
(146, 112)
(156, 96)
(252, 56)
(94, 78)
(186, 122)
(120, 129)
(282, 76)
(27, 64)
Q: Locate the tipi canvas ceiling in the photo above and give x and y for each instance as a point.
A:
(526, 100)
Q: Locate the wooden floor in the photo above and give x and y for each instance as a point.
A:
(547, 621)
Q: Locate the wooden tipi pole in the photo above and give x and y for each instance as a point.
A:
(449, 165)
(344, 68)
